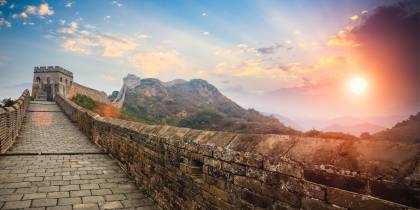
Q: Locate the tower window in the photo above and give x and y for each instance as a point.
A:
(61, 79)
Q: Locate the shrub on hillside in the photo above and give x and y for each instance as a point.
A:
(84, 101)
(105, 110)
(329, 135)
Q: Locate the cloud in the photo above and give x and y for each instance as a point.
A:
(41, 11)
(114, 46)
(269, 49)
(156, 63)
(87, 41)
(203, 14)
(116, 3)
(143, 36)
(206, 33)
(354, 17)
(69, 4)
(4, 22)
(343, 38)
(44, 9)
(107, 18)
(78, 44)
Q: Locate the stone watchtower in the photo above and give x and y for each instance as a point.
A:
(49, 81)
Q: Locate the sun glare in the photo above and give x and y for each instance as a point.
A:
(357, 85)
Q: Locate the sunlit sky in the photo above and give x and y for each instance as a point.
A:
(280, 57)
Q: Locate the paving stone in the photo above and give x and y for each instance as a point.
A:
(112, 205)
(11, 197)
(58, 195)
(44, 202)
(17, 204)
(48, 189)
(93, 199)
(69, 207)
(89, 186)
(80, 193)
(115, 197)
(69, 201)
(26, 190)
(34, 196)
(69, 187)
(101, 192)
(6, 191)
(86, 206)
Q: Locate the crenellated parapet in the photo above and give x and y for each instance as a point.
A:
(47, 69)
(183, 168)
(11, 120)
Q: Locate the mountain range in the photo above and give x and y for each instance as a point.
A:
(194, 104)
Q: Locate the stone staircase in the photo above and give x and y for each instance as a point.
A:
(42, 96)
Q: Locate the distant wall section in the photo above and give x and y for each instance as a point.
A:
(96, 95)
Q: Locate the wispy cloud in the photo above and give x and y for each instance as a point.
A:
(69, 4)
(116, 3)
(343, 38)
(270, 49)
(156, 63)
(41, 11)
(88, 41)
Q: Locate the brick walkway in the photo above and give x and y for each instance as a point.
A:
(77, 176)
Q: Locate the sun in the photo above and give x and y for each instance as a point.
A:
(357, 85)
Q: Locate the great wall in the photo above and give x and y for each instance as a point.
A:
(182, 168)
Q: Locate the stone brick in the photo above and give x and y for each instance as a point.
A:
(314, 204)
(17, 204)
(26, 190)
(34, 196)
(44, 202)
(58, 195)
(256, 199)
(69, 207)
(69, 201)
(93, 199)
(69, 187)
(114, 197)
(358, 202)
(112, 205)
(79, 193)
(398, 193)
(11, 197)
(48, 189)
(101, 192)
(350, 183)
(89, 186)
(86, 206)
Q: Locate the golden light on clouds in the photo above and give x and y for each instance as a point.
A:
(354, 17)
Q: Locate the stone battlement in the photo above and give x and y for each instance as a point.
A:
(11, 120)
(183, 168)
(46, 69)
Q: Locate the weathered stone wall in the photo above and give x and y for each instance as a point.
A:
(183, 168)
(11, 120)
(96, 95)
